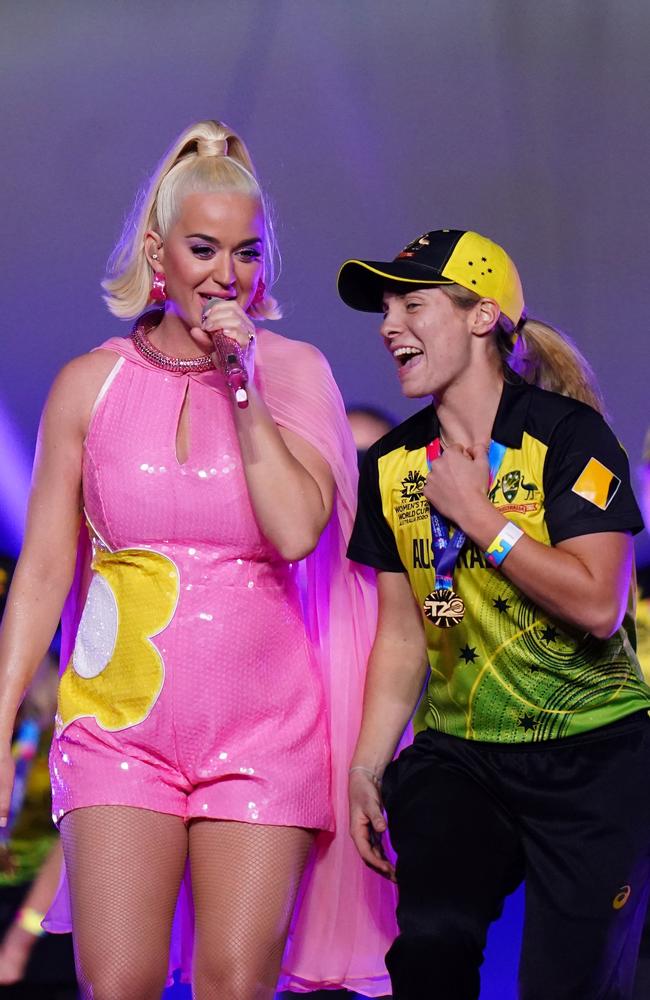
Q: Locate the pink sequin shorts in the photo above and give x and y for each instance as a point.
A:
(89, 770)
(201, 718)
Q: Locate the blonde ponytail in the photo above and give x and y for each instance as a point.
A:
(539, 353)
(208, 157)
(545, 357)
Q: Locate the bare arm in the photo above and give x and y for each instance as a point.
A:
(290, 484)
(396, 671)
(46, 565)
(583, 581)
(19, 942)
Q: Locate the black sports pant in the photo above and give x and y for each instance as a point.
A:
(470, 820)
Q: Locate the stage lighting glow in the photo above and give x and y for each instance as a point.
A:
(15, 476)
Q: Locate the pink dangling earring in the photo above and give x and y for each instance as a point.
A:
(260, 292)
(158, 287)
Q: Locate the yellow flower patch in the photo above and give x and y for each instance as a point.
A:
(115, 674)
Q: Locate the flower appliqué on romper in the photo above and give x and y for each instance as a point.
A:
(115, 674)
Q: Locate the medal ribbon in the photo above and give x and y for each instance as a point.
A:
(446, 548)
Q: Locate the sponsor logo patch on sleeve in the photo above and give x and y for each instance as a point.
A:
(596, 484)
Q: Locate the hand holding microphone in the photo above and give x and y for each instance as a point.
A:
(227, 325)
(230, 360)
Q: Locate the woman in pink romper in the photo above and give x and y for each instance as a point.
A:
(214, 636)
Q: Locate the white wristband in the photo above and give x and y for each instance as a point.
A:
(499, 547)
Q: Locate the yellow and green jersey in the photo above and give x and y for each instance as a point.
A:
(510, 673)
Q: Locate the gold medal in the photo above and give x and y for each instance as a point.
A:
(444, 608)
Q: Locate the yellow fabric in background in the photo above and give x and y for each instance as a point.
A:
(643, 635)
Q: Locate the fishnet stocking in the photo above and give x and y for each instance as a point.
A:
(125, 867)
(244, 880)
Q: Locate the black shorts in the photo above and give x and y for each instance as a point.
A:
(469, 821)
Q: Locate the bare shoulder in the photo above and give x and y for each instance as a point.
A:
(76, 387)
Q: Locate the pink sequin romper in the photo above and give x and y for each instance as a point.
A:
(192, 688)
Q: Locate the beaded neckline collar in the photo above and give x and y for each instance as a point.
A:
(144, 347)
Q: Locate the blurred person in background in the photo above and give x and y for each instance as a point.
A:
(30, 850)
(368, 423)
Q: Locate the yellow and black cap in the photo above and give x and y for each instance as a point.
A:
(441, 257)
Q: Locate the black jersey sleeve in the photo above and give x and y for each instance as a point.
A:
(372, 542)
(587, 479)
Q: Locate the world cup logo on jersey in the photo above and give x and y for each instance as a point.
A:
(412, 485)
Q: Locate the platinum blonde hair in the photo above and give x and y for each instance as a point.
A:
(206, 158)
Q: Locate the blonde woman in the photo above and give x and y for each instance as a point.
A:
(499, 519)
(185, 476)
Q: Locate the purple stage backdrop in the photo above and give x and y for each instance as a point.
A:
(370, 121)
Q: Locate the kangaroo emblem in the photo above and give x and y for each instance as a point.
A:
(492, 495)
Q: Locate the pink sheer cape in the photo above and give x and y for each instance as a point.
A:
(344, 921)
